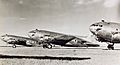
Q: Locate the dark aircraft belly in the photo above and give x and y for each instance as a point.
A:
(59, 42)
(20, 43)
(104, 36)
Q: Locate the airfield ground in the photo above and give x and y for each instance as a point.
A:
(97, 56)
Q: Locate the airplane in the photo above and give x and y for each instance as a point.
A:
(18, 40)
(108, 32)
(48, 38)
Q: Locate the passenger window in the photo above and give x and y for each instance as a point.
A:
(34, 32)
(116, 32)
(94, 25)
(2, 36)
(41, 37)
(100, 25)
(108, 23)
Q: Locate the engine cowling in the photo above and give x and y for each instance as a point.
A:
(11, 41)
(29, 42)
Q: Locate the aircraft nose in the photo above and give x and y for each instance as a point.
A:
(2, 38)
(92, 29)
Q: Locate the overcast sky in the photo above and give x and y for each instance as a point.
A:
(65, 16)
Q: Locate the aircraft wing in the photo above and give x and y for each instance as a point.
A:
(81, 41)
(83, 38)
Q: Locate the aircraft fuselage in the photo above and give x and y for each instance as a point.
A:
(106, 31)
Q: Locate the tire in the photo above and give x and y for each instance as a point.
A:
(44, 46)
(49, 46)
(112, 48)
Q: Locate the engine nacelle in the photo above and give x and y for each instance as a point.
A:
(11, 41)
(29, 42)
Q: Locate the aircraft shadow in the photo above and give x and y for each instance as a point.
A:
(11, 46)
(107, 49)
(74, 48)
(16, 46)
(43, 57)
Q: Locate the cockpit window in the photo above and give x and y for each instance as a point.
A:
(97, 25)
(32, 34)
(94, 25)
(41, 37)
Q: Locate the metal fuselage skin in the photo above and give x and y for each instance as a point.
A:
(57, 38)
(106, 31)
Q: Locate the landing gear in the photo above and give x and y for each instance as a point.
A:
(49, 46)
(46, 45)
(14, 46)
(110, 46)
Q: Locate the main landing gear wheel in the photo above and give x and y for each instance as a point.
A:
(14, 46)
(49, 46)
(44, 46)
(110, 46)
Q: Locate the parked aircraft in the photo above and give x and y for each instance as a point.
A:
(106, 32)
(18, 40)
(48, 38)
